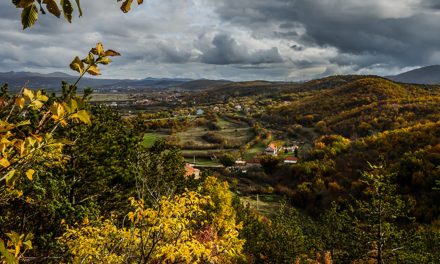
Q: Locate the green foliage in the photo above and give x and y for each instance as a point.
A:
(98, 172)
(32, 149)
(159, 171)
(228, 159)
(378, 217)
(270, 163)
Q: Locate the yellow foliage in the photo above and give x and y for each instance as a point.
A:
(194, 227)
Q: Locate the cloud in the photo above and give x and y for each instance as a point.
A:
(238, 40)
(226, 50)
(365, 33)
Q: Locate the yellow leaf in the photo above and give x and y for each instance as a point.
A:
(63, 123)
(31, 141)
(67, 7)
(37, 104)
(29, 15)
(20, 102)
(52, 7)
(28, 93)
(24, 123)
(30, 174)
(94, 70)
(4, 162)
(83, 116)
(39, 138)
(24, 3)
(126, 6)
(57, 111)
(77, 65)
(90, 59)
(104, 60)
(9, 178)
(112, 53)
(98, 50)
(42, 97)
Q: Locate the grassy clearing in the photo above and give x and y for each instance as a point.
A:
(203, 162)
(101, 97)
(192, 136)
(150, 139)
(203, 154)
(256, 149)
(236, 132)
(267, 205)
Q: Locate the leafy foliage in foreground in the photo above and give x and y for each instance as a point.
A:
(193, 227)
(30, 150)
(30, 8)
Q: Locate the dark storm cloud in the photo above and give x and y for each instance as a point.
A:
(226, 50)
(378, 30)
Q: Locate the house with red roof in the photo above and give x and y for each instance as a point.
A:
(271, 149)
(190, 171)
(291, 160)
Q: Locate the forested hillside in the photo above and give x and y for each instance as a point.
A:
(344, 169)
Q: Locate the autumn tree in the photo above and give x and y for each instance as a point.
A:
(30, 146)
(192, 227)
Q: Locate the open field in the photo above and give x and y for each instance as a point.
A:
(203, 162)
(267, 205)
(110, 97)
(256, 149)
(233, 133)
(150, 139)
(188, 153)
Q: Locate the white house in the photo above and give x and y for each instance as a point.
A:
(200, 112)
(272, 149)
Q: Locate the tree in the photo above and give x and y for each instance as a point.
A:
(270, 163)
(374, 228)
(98, 173)
(228, 159)
(381, 213)
(31, 147)
(29, 14)
(158, 171)
(193, 227)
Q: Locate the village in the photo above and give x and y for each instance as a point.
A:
(287, 154)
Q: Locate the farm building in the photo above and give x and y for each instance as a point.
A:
(240, 163)
(271, 149)
(291, 148)
(200, 112)
(291, 160)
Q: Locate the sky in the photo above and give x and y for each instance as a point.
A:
(284, 40)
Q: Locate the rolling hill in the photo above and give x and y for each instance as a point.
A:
(425, 75)
(361, 107)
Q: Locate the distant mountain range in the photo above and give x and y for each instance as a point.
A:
(424, 75)
(52, 82)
